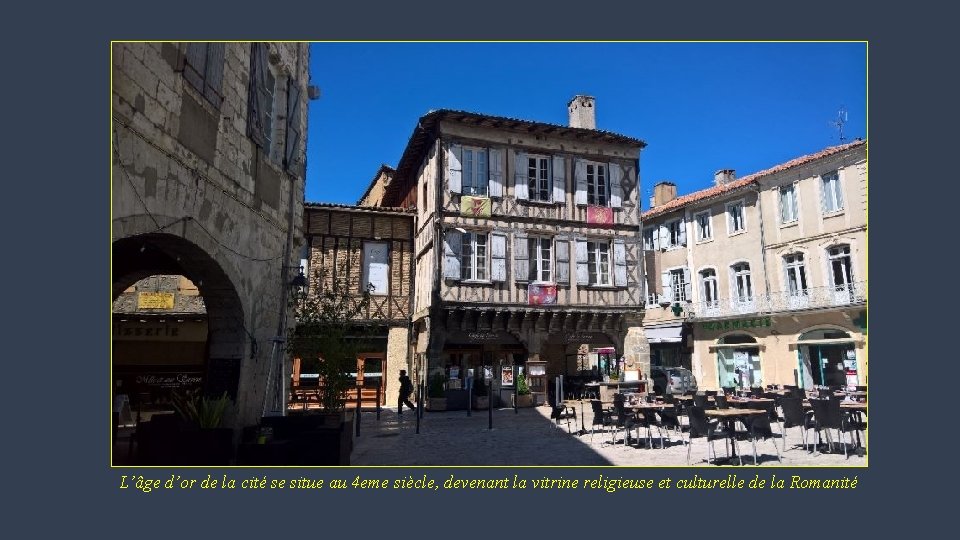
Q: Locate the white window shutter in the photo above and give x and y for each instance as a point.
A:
(496, 172)
(823, 193)
(520, 188)
(454, 179)
(687, 285)
(563, 261)
(583, 271)
(451, 254)
(520, 257)
(683, 231)
(498, 254)
(667, 286)
(580, 179)
(616, 186)
(620, 262)
(664, 233)
(838, 191)
(559, 180)
(655, 233)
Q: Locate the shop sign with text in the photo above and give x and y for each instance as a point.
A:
(758, 322)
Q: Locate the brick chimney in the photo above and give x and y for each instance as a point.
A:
(724, 176)
(663, 193)
(582, 112)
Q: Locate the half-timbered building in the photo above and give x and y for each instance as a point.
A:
(526, 241)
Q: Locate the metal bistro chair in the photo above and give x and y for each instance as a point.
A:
(563, 412)
(795, 416)
(601, 417)
(700, 427)
(721, 401)
(758, 426)
(828, 415)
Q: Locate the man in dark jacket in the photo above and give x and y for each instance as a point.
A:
(406, 388)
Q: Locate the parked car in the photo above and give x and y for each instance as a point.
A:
(673, 380)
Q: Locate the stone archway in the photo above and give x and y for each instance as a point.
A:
(140, 256)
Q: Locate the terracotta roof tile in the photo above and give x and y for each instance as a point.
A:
(754, 178)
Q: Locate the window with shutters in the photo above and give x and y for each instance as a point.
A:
(597, 187)
(540, 251)
(648, 242)
(473, 256)
(676, 236)
(264, 106)
(788, 204)
(831, 194)
(704, 227)
(475, 171)
(538, 178)
(735, 219)
(678, 284)
(203, 70)
(598, 262)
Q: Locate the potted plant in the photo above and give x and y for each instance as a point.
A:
(436, 397)
(481, 398)
(524, 397)
(201, 439)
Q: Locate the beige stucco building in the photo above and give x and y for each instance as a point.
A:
(762, 280)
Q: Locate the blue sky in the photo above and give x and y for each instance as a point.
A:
(699, 106)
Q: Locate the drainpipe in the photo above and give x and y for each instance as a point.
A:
(763, 242)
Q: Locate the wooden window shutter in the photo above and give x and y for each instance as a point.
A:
(664, 233)
(495, 163)
(213, 76)
(563, 261)
(455, 168)
(667, 286)
(559, 180)
(451, 254)
(520, 257)
(620, 262)
(292, 142)
(583, 270)
(195, 67)
(616, 185)
(580, 178)
(257, 124)
(683, 231)
(498, 257)
(687, 285)
(520, 188)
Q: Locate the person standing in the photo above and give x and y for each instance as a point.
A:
(406, 388)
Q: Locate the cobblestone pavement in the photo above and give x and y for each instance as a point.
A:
(532, 438)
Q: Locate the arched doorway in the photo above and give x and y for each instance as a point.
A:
(827, 357)
(738, 362)
(135, 258)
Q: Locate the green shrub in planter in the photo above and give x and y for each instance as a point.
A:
(522, 388)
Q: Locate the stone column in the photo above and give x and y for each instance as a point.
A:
(637, 350)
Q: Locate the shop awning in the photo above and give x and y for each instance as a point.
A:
(663, 334)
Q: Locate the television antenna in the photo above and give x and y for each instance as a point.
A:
(840, 121)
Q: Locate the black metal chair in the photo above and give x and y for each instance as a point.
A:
(709, 392)
(729, 390)
(828, 415)
(795, 416)
(700, 400)
(562, 413)
(601, 417)
(670, 419)
(700, 427)
(758, 425)
(721, 402)
(756, 391)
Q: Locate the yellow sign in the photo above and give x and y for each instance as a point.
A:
(474, 206)
(154, 300)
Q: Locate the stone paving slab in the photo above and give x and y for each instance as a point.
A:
(532, 438)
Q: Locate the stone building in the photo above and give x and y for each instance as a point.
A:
(207, 183)
(526, 240)
(762, 279)
(369, 247)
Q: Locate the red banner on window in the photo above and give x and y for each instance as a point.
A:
(542, 295)
(599, 215)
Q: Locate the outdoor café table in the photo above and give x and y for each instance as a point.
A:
(583, 428)
(729, 416)
(744, 402)
(846, 405)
